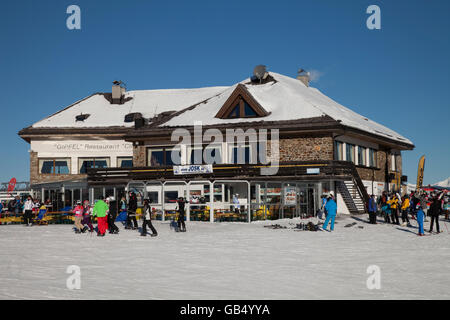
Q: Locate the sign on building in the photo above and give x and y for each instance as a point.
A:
(192, 169)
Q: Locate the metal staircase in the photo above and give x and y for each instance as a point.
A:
(351, 197)
(354, 193)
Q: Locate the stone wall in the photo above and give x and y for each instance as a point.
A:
(304, 149)
(139, 156)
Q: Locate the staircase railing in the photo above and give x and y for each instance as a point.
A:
(360, 187)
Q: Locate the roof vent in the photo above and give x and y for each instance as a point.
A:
(82, 117)
(259, 73)
(132, 116)
(303, 76)
(118, 92)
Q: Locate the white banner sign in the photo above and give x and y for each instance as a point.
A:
(192, 169)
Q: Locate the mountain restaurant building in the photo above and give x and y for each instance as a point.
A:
(265, 148)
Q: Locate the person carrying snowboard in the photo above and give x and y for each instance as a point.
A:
(78, 212)
(131, 212)
(147, 216)
(101, 211)
(331, 208)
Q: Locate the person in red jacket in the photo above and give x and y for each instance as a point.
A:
(78, 212)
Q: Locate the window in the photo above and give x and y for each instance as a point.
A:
(362, 156)
(54, 166)
(372, 157)
(240, 151)
(96, 163)
(170, 196)
(125, 162)
(394, 161)
(163, 157)
(350, 152)
(207, 154)
(152, 196)
(338, 151)
(241, 109)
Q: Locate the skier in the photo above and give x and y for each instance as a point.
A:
(87, 217)
(101, 212)
(420, 217)
(78, 211)
(331, 208)
(405, 211)
(372, 210)
(28, 210)
(434, 212)
(112, 203)
(180, 208)
(148, 220)
(394, 208)
(131, 213)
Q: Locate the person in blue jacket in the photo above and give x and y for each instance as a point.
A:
(372, 210)
(331, 208)
(420, 219)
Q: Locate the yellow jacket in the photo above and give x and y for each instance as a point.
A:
(405, 204)
(393, 203)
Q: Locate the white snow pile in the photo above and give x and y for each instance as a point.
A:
(226, 261)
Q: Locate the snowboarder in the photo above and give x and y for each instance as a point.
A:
(372, 210)
(101, 212)
(434, 212)
(87, 210)
(131, 213)
(28, 210)
(331, 208)
(112, 203)
(147, 216)
(78, 212)
(180, 208)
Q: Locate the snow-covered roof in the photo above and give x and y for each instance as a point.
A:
(147, 102)
(285, 98)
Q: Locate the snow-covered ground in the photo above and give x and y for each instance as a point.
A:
(226, 261)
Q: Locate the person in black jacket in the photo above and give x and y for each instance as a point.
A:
(131, 212)
(434, 212)
(112, 203)
(147, 216)
(181, 204)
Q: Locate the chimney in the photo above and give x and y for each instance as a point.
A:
(118, 91)
(303, 76)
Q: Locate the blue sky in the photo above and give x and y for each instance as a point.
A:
(398, 76)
